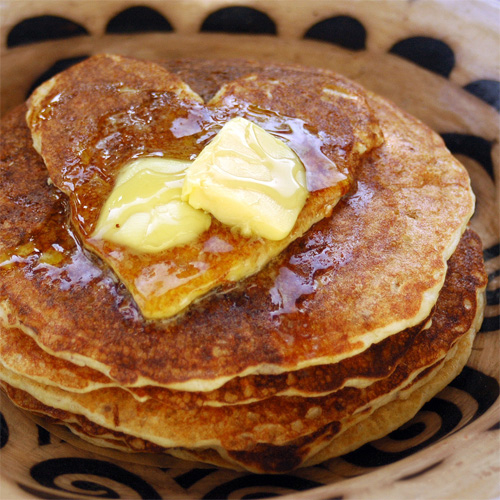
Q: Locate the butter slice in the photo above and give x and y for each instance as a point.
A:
(145, 211)
(248, 179)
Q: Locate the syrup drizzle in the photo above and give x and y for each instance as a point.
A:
(62, 260)
(164, 125)
(300, 276)
(321, 171)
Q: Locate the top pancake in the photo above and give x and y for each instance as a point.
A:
(91, 120)
(372, 269)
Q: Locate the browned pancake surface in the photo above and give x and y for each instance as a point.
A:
(279, 420)
(21, 354)
(140, 109)
(356, 278)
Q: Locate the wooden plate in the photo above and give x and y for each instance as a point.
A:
(437, 59)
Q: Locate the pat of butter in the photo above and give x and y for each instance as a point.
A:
(144, 210)
(248, 179)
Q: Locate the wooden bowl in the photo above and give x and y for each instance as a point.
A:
(439, 60)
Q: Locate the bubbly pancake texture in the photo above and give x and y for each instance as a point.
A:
(140, 109)
(327, 297)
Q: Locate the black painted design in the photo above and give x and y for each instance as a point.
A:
(490, 324)
(345, 31)
(4, 431)
(239, 20)
(57, 67)
(486, 90)
(370, 455)
(264, 481)
(251, 496)
(494, 274)
(42, 28)
(493, 297)
(46, 474)
(191, 477)
(38, 493)
(421, 472)
(491, 252)
(429, 53)
(404, 433)
(495, 427)
(137, 20)
(483, 388)
(43, 436)
(475, 147)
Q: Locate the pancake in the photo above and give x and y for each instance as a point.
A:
(327, 341)
(129, 119)
(337, 439)
(378, 362)
(328, 296)
(250, 433)
(373, 364)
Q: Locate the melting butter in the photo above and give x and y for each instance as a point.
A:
(145, 211)
(248, 179)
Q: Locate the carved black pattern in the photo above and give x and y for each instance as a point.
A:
(4, 431)
(39, 493)
(491, 252)
(264, 483)
(239, 20)
(493, 297)
(47, 472)
(483, 388)
(420, 472)
(429, 53)
(486, 90)
(492, 323)
(187, 479)
(495, 427)
(43, 436)
(474, 147)
(370, 455)
(345, 31)
(42, 28)
(137, 20)
(494, 274)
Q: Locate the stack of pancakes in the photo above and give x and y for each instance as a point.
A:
(272, 356)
